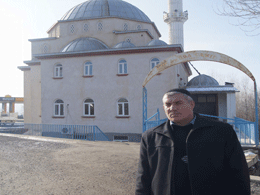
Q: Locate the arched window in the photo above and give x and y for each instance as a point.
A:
(154, 62)
(122, 67)
(88, 107)
(58, 71)
(122, 107)
(59, 108)
(88, 69)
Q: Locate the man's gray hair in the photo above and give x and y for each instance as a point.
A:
(172, 93)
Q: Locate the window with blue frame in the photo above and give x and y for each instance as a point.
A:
(88, 69)
(154, 62)
(122, 67)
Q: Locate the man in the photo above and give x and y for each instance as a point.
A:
(190, 154)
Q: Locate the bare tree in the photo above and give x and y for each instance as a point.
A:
(245, 100)
(247, 13)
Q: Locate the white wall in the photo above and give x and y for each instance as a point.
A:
(32, 95)
(231, 105)
(105, 88)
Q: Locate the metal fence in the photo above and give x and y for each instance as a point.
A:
(246, 130)
(83, 132)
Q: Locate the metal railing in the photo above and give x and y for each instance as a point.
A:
(83, 132)
(246, 130)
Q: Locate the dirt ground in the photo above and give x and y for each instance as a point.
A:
(41, 165)
(33, 165)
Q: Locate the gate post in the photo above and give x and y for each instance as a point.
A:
(144, 108)
(256, 117)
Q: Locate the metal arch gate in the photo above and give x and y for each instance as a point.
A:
(198, 56)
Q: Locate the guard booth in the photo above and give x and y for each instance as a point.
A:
(211, 98)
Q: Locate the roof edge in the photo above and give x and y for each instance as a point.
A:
(176, 47)
(24, 68)
(42, 39)
(32, 62)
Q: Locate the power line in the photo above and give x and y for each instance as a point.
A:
(194, 68)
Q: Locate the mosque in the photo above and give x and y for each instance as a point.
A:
(90, 68)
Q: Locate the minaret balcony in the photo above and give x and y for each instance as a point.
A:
(175, 17)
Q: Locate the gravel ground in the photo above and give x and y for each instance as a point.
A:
(50, 166)
(255, 188)
(56, 166)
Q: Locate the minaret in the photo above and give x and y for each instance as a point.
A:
(175, 19)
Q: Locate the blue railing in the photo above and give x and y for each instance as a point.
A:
(246, 130)
(83, 132)
(153, 121)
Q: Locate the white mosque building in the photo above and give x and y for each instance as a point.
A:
(90, 69)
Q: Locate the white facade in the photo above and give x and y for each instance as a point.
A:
(62, 83)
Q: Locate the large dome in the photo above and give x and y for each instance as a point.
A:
(105, 8)
(84, 44)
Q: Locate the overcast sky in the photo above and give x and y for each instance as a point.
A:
(205, 30)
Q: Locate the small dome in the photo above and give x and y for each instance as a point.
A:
(93, 9)
(124, 44)
(84, 44)
(202, 81)
(157, 42)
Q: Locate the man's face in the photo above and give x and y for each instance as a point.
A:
(178, 109)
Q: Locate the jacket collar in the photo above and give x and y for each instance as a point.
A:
(199, 123)
(202, 121)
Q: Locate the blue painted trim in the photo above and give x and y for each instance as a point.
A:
(256, 115)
